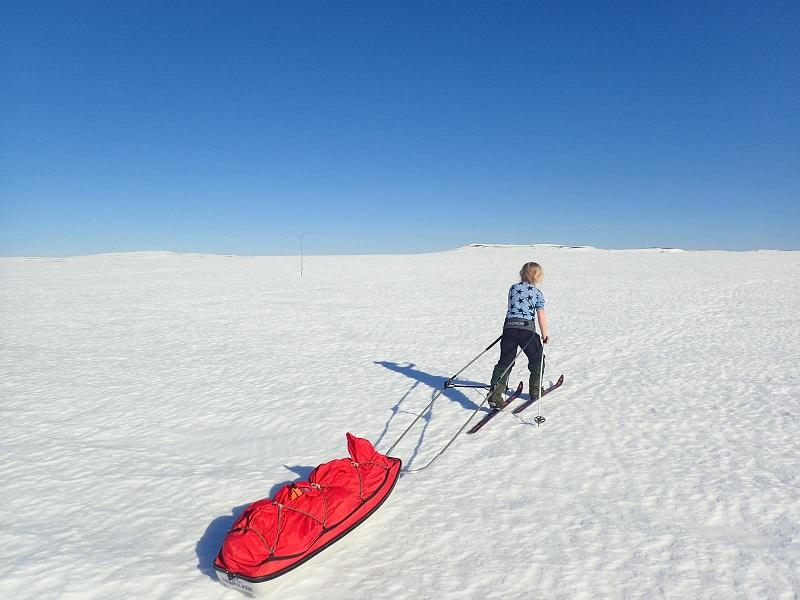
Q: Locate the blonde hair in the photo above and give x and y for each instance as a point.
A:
(531, 272)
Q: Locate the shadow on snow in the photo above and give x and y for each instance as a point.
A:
(435, 383)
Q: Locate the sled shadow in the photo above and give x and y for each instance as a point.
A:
(436, 383)
(209, 544)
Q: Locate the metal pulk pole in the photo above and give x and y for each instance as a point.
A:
(446, 385)
(464, 426)
(489, 347)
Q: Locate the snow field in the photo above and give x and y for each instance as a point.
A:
(149, 397)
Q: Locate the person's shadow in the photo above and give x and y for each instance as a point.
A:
(211, 541)
(436, 383)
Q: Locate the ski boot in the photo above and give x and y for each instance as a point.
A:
(535, 386)
(498, 386)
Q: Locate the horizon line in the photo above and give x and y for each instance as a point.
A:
(540, 246)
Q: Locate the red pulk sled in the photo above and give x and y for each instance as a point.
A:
(273, 536)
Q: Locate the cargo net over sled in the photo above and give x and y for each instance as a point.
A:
(273, 536)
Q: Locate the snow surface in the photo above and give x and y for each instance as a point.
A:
(147, 398)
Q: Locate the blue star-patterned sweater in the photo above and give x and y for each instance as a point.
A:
(523, 300)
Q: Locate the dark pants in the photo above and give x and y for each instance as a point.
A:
(521, 338)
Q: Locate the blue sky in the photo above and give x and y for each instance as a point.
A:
(236, 127)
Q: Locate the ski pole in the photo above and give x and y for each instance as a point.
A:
(539, 419)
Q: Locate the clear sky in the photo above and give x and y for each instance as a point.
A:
(386, 126)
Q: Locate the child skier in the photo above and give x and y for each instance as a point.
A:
(519, 330)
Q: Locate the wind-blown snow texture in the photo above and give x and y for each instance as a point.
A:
(148, 397)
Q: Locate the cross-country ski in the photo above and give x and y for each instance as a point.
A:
(559, 382)
(493, 412)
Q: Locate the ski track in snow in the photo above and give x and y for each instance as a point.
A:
(147, 398)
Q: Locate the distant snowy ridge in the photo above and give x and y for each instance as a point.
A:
(151, 254)
(528, 246)
(135, 254)
(567, 247)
